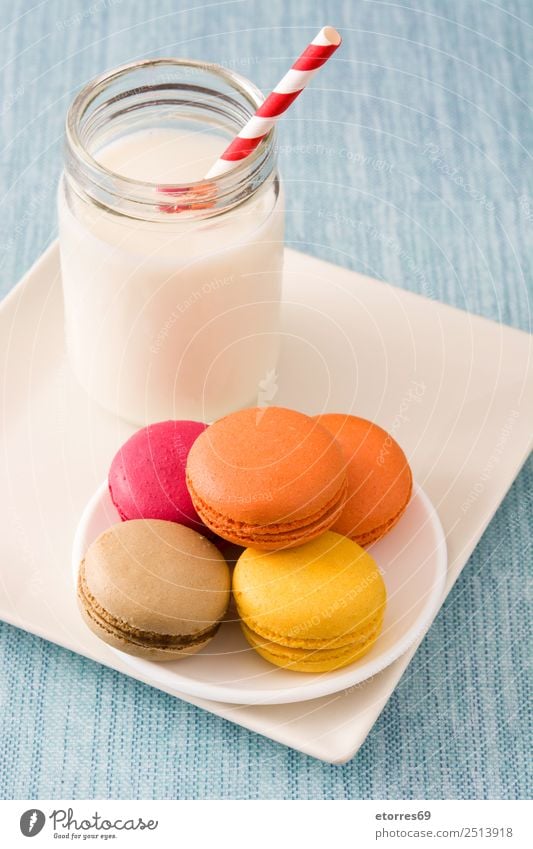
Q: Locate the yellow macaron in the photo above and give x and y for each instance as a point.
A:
(314, 608)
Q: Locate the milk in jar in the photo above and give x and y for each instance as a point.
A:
(171, 285)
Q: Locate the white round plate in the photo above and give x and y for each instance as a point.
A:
(412, 559)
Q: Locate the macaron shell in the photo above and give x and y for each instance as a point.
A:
(147, 474)
(326, 590)
(329, 650)
(380, 531)
(265, 466)
(380, 481)
(312, 661)
(158, 576)
(131, 646)
(273, 536)
(288, 641)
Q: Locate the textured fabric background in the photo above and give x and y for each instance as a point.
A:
(416, 145)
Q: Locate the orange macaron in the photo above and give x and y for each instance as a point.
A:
(379, 477)
(267, 478)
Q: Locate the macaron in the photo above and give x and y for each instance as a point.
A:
(153, 589)
(267, 478)
(147, 475)
(380, 481)
(314, 608)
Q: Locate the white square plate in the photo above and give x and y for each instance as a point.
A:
(454, 389)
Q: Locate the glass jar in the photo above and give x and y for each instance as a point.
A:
(171, 286)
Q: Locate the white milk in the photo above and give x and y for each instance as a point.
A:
(171, 319)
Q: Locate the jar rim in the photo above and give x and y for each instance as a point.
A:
(248, 166)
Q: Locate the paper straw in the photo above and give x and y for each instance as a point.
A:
(287, 90)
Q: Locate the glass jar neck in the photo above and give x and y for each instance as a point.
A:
(163, 93)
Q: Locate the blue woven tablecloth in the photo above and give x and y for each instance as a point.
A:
(420, 127)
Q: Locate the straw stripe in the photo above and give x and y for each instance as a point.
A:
(277, 102)
(256, 127)
(241, 148)
(294, 81)
(314, 56)
(287, 90)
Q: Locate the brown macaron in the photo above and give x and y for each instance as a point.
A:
(153, 589)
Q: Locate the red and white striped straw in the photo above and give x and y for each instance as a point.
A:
(287, 90)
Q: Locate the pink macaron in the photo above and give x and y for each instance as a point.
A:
(147, 475)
